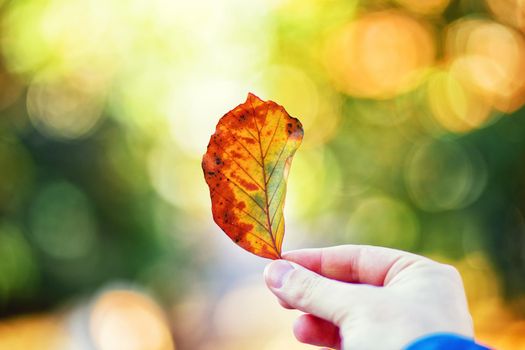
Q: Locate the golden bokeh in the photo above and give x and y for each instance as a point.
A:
(33, 332)
(511, 12)
(454, 106)
(127, 320)
(487, 57)
(379, 55)
(427, 7)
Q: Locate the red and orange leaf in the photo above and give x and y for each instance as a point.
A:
(246, 167)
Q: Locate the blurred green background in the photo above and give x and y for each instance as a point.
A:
(414, 139)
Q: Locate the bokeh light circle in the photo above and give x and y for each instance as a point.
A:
(178, 178)
(453, 105)
(18, 268)
(238, 317)
(128, 320)
(488, 57)
(291, 87)
(62, 110)
(443, 175)
(379, 55)
(193, 120)
(385, 221)
(314, 183)
(511, 12)
(62, 222)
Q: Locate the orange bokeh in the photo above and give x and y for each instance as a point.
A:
(379, 55)
(511, 12)
(487, 58)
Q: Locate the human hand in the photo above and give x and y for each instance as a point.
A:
(364, 297)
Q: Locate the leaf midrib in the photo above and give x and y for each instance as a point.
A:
(268, 220)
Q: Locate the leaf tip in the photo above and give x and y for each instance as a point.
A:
(252, 97)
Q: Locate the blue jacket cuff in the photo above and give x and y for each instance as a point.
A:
(445, 342)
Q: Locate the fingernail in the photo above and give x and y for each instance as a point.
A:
(277, 272)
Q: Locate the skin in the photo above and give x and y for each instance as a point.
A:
(364, 297)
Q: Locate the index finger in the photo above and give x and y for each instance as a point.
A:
(355, 263)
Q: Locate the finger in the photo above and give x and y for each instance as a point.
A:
(311, 293)
(284, 304)
(313, 330)
(355, 263)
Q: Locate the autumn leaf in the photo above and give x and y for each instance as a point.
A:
(246, 167)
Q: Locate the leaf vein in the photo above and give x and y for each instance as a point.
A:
(249, 132)
(276, 162)
(242, 210)
(240, 167)
(276, 189)
(273, 135)
(262, 239)
(279, 223)
(243, 191)
(265, 182)
(247, 150)
(277, 209)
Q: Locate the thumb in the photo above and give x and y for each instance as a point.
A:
(309, 292)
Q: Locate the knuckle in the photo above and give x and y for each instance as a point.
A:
(341, 315)
(451, 277)
(451, 272)
(304, 289)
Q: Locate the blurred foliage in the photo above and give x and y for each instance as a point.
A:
(414, 139)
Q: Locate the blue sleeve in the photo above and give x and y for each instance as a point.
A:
(445, 342)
